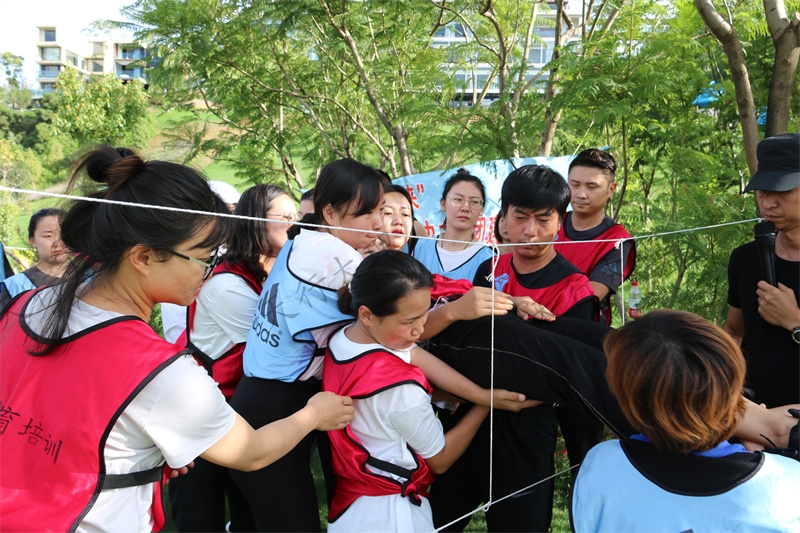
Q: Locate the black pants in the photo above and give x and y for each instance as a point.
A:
(558, 362)
(282, 496)
(522, 455)
(198, 500)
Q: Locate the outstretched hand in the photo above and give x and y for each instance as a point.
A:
(477, 303)
(512, 401)
(333, 411)
(527, 308)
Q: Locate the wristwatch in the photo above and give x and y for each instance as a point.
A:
(796, 334)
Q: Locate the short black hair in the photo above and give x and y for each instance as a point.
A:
(592, 157)
(535, 187)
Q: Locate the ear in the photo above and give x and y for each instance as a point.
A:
(327, 214)
(442, 204)
(30, 240)
(365, 316)
(142, 258)
(611, 188)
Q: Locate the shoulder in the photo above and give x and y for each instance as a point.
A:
(565, 268)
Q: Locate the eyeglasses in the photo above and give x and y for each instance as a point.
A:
(209, 264)
(288, 217)
(474, 203)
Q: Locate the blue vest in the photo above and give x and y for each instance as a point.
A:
(612, 495)
(17, 284)
(280, 345)
(427, 254)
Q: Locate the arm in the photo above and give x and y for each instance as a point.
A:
(246, 449)
(475, 303)
(600, 289)
(457, 440)
(445, 377)
(758, 421)
(734, 324)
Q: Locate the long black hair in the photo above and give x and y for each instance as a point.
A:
(249, 239)
(345, 184)
(381, 280)
(101, 233)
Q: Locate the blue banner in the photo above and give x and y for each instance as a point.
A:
(426, 190)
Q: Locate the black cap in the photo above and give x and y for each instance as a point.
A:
(778, 164)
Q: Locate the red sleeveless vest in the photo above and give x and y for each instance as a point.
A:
(558, 298)
(586, 255)
(56, 412)
(361, 377)
(227, 369)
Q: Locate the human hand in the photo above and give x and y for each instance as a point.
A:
(181, 470)
(527, 309)
(333, 411)
(778, 305)
(512, 401)
(377, 246)
(477, 302)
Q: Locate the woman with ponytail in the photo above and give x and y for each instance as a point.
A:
(96, 402)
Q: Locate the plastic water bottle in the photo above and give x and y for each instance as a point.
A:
(634, 299)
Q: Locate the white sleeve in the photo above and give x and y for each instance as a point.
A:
(225, 304)
(173, 321)
(416, 421)
(187, 414)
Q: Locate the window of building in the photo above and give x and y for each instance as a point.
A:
(50, 71)
(47, 87)
(97, 49)
(96, 66)
(540, 54)
(50, 36)
(73, 59)
(51, 54)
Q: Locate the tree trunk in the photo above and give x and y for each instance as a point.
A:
(727, 36)
(786, 38)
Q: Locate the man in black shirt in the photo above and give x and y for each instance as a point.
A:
(763, 318)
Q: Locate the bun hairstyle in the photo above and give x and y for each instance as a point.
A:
(100, 233)
(349, 187)
(249, 239)
(381, 280)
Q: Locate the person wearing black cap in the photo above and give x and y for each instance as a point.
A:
(763, 318)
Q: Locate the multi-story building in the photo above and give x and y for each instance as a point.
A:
(97, 56)
(471, 75)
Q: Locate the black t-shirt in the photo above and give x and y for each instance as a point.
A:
(773, 358)
(549, 276)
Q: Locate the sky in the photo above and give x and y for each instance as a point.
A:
(19, 19)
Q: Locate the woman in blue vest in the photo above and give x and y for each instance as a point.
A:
(462, 202)
(678, 379)
(44, 234)
(295, 315)
(94, 401)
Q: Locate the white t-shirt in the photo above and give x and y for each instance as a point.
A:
(384, 423)
(176, 416)
(453, 260)
(173, 320)
(224, 314)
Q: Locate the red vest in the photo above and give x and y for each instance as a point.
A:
(227, 369)
(586, 256)
(558, 298)
(56, 412)
(368, 374)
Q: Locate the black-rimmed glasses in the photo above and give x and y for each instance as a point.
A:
(208, 264)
